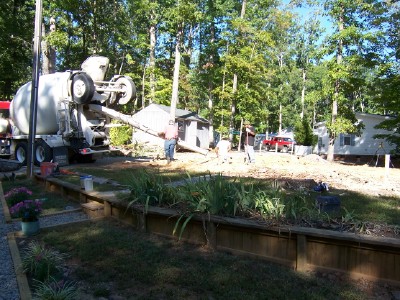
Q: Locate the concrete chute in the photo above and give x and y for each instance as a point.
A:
(129, 120)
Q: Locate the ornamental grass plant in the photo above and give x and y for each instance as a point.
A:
(41, 262)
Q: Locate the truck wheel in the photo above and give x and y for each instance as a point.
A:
(82, 88)
(266, 147)
(128, 90)
(21, 152)
(43, 152)
(284, 149)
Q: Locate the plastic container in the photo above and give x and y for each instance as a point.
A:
(47, 168)
(86, 183)
(328, 203)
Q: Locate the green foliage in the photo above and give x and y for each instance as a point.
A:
(55, 290)
(213, 194)
(303, 134)
(121, 135)
(148, 188)
(266, 48)
(269, 206)
(41, 262)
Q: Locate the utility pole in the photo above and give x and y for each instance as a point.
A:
(34, 88)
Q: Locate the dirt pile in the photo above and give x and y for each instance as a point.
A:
(306, 171)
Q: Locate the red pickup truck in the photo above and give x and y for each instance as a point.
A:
(281, 143)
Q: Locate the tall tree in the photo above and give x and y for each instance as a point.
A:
(353, 45)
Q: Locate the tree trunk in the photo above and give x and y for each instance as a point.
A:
(339, 58)
(211, 88)
(49, 53)
(280, 117)
(175, 83)
(152, 59)
(233, 107)
(303, 93)
(235, 79)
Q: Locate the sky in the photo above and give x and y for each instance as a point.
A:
(306, 13)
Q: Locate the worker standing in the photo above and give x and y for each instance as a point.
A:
(170, 138)
(249, 142)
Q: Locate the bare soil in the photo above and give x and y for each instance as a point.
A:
(297, 171)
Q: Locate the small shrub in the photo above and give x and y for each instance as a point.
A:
(303, 133)
(55, 290)
(269, 206)
(40, 262)
(148, 188)
(121, 135)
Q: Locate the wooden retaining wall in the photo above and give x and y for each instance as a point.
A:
(303, 249)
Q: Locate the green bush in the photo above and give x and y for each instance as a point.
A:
(303, 134)
(55, 290)
(40, 262)
(121, 135)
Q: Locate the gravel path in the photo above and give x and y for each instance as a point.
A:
(8, 282)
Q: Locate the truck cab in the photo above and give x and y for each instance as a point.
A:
(5, 130)
(280, 143)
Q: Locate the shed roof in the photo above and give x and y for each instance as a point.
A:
(183, 114)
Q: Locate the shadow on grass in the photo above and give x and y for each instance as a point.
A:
(109, 258)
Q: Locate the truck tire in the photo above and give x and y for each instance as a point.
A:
(266, 147)
(284, 149)
(128, 90)
(82, 88)
(21, 152)
(43, 152)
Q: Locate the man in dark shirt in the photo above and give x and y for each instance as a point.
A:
(249, 142)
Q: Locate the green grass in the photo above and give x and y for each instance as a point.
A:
(124, 176)
(99, 187)
(372, 209)
(115, 259)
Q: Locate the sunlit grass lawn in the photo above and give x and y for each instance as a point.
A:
(114, 259)
(125, 176)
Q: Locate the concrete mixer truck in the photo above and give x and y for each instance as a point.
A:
(66, 127)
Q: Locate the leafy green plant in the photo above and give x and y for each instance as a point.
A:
(55, 290)
(303, 133)
(41, 262)
(210, 194)
(269, 207)
(348, 216)
(120, 135)
(148, 188)
(296, 206)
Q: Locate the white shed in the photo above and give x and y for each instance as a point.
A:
(350, 144)
(192, 128)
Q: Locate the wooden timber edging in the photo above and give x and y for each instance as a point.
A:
(300, 248)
